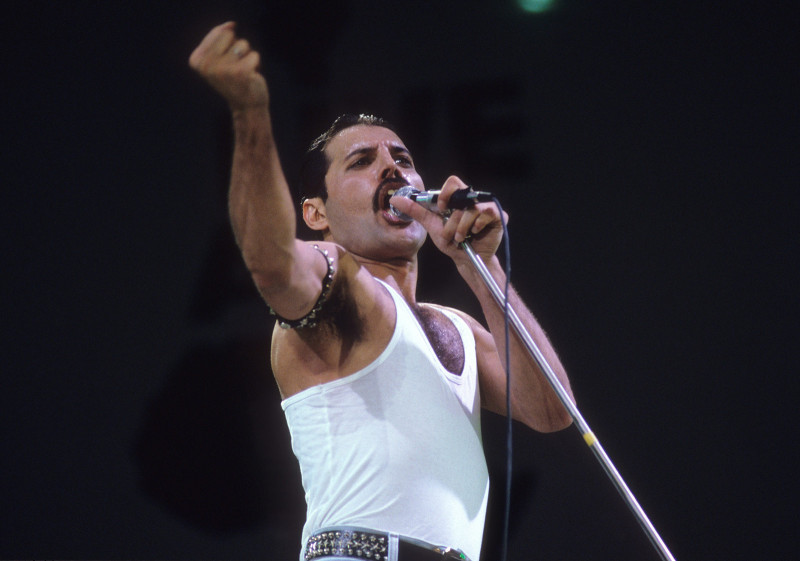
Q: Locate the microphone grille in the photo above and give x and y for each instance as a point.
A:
(407, 191)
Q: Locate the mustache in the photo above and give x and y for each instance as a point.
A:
(397, 182)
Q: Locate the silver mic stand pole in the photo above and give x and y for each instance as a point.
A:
(588, 435)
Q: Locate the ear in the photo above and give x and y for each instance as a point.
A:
(314, 214)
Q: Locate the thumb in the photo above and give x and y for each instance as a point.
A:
(412, 209)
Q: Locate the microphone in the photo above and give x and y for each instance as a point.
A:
(459, 200)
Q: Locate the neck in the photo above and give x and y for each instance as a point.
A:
(400, 274)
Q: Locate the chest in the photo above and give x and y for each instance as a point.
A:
(443, 337)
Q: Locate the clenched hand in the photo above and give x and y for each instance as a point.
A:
(231, 66)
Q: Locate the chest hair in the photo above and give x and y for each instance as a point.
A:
(443, 337)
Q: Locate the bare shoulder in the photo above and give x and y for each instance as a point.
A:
(355, 324)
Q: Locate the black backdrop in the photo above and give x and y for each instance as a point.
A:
(647, 154)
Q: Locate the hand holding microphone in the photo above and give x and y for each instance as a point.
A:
(459, 200)
(482, 224)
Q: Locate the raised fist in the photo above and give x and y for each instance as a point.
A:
(231, 67)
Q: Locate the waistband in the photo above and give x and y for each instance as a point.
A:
(364, 543)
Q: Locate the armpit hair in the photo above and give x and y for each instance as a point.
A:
(339, 315)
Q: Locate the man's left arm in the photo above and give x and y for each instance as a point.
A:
(533, 401)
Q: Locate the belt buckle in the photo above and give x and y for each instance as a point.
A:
(450, 553)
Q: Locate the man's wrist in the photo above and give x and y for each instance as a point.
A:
(468, 271)
(252, 124)
(245, 114)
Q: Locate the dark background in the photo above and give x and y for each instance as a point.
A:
(647, 154)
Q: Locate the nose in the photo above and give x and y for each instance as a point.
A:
(388, 165)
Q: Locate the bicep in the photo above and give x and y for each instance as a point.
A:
(293, 291)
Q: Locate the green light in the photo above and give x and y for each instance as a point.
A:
(536, 6)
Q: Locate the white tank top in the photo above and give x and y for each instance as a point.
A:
(397, 445)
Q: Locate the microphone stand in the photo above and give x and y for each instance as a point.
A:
(588, 435)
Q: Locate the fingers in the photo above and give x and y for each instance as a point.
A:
(239, 49)
(470, 222)
(451, 185)
(459, 225)
(216, 42)
(463, 224)
(427, 218)
(232, 67)
(220, 44)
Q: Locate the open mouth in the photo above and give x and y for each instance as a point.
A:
(385, 191)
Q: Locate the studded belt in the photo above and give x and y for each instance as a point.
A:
(360, 543)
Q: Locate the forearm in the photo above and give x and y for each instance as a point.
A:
(287, 272)
(261, 210)
(533, 400)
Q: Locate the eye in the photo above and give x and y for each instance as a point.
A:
(403, 161)
(359, 163)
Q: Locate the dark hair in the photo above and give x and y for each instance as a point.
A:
(316, 163)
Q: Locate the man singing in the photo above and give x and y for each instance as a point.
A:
(382, 394)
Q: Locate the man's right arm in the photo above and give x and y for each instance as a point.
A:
(287, 272)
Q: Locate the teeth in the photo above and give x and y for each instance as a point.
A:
(391, 192)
